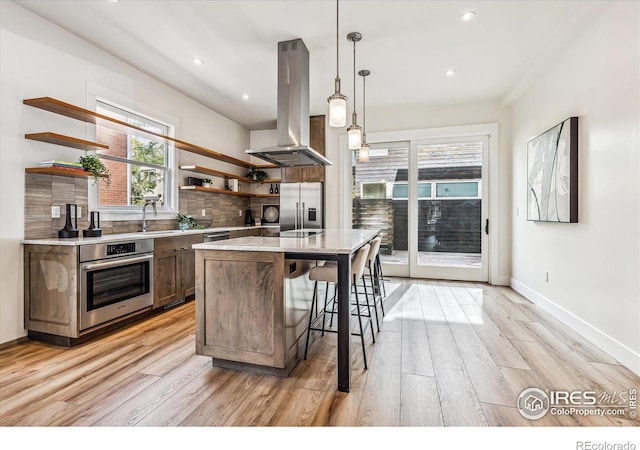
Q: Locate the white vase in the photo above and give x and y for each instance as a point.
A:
(206, 185)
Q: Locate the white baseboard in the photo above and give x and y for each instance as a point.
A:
(501, 280)
(626, 356)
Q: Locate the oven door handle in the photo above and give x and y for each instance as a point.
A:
(115, 262)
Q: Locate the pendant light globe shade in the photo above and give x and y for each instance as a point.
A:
(363, 154)
(354, 137)
(337, 110)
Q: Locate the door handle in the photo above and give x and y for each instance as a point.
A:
(295, 218)
(302, 216)
(486, 227)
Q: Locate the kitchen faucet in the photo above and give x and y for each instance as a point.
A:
(148, 200)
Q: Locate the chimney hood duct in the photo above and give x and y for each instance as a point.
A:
(293, 149)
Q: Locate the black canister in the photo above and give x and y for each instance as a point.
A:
(93, 230)
(69, 230)
(248, 218)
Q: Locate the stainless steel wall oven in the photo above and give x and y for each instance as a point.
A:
(116, 279)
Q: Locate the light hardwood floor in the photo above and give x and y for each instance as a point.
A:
(448, 354)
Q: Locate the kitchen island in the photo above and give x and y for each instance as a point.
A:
(253, 298)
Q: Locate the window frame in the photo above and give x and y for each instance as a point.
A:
(170, 197)
(478, 182)
(379, 183)
(434, 184)
(407, 184)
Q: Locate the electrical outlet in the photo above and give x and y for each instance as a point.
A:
(239, 213)
(79, 212)
(55, 212)
(204, 212)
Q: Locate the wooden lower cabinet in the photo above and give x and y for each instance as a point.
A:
(244, 233)
(270, 232)
(251, 309)
(174, 268)
(51, 303)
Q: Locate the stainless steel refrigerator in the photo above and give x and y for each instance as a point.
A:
(301, 206)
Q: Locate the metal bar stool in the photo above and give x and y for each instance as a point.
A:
(376, 289)
(329, 273)
(377, 270)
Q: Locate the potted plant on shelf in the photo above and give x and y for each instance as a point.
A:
(206, 182)
(257, 175)
(186, 222)
(92, 164)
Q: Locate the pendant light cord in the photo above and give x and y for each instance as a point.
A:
(337, 39)
(364, 107)
(355, 115)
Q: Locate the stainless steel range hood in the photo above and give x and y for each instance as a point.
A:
(293, 149)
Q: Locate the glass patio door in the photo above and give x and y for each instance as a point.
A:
(447, 195)
(429, 200)
(379, 201)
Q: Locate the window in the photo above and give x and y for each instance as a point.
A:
(444, 190)
(401, 191)
(457, 189)
(374, 191)
(140, 165)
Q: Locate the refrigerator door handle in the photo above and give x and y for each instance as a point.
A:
(302, 216)
(295, 218)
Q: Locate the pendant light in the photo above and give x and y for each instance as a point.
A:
(363, 154)
(337, 101)
(354, 132)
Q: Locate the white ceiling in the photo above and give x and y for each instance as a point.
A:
(407, 46)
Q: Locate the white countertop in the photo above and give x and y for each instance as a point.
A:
(330, 241)
(81, 240)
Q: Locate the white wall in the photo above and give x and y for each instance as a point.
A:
(40, 59)
(594, 265)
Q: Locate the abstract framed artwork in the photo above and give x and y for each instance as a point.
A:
(552, 174)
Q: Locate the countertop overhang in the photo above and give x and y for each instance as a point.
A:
(334, 241)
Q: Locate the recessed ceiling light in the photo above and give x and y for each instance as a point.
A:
(450, 73)
(468, 16)
(198, 61)
(245, 96)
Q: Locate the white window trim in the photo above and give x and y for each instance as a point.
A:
(95, 93)
(490, 130)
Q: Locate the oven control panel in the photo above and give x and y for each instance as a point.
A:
(106, 250)
(121, 249)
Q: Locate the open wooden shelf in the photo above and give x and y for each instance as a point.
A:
(61, 171)
(66, 141)
(264, 166)
(215, 173)
(84, 115)
(271, 180)
(217, 191)
(224, 191)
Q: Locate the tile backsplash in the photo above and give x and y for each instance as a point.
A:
(44, 191)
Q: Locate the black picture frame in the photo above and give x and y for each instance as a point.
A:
(552, 174)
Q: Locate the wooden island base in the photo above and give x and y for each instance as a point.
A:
(252, 309)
